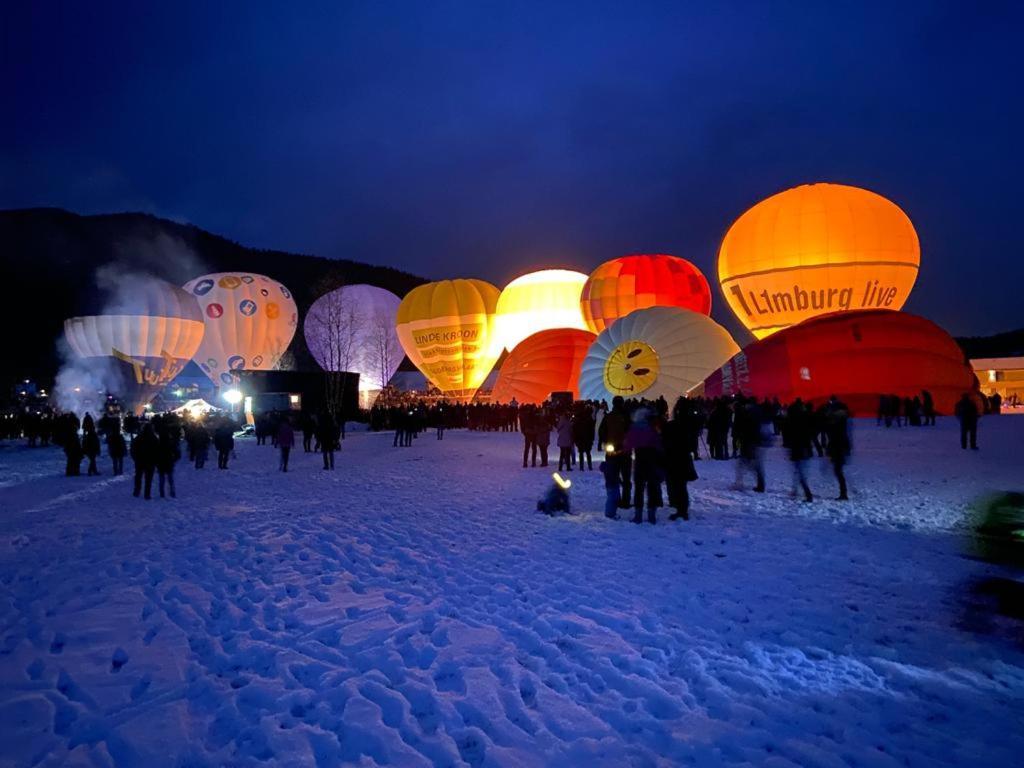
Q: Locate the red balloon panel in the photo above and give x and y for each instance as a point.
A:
(856, 356)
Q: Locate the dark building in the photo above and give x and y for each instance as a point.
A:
(265, 391)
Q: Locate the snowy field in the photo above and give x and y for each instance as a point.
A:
(411, 609)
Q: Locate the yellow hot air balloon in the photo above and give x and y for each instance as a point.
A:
(447, 330)
(536, 302)
(250, 321)
(816, 249)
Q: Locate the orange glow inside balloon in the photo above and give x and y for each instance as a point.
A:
(817, 249)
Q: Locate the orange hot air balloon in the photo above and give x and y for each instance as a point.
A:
(623, 285)
(447, 328)
(546, 362)
(857, 356)
(250, 321)
(817, 249)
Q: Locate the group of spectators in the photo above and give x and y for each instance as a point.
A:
(645, 443)
(647, 446)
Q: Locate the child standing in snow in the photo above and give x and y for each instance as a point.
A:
(610, 469)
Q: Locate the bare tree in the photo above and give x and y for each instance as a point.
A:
(335, 322)
(387, 352)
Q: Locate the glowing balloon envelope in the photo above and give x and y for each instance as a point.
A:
(856, 356)
(447, 330)
(145, 341)
(352, 329)
(654, 352)
(817, 249)
(536, 302)
(250, 321)
(546, 362)
(623, 285)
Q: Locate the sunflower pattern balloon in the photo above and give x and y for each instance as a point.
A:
(654, 352)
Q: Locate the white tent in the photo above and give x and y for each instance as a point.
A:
(196, 408)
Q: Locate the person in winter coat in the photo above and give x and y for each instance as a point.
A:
(613, 433)
(285, 441)
(564, 429)
(837, 428)
(600, 411)
(308, 423)
(167, 456)
(90, 446)
(967, 414)
(746, 430)
(928, 406)
(199, 445)
(116, 449)
(527, 426)
(612, 494)
(144, 453)
(677, 440)
(797, 431)
(583, 432)
(327, 436)
(73, 452)
(645, 443)
(224, 442)
(542, 435)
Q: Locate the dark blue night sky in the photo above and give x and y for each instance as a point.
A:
(484, 139)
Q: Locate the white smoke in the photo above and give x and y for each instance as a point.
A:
(82, 384)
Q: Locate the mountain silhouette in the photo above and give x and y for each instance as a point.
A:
(58, 264)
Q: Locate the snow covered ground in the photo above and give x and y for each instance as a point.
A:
(412, 609)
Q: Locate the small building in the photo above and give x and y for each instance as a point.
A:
(1003, 375)
(266, 391)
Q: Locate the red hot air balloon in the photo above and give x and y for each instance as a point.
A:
(623, 285)
(857, 356)
(548, 361)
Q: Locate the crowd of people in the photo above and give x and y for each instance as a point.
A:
(647, 446)
(649, 449)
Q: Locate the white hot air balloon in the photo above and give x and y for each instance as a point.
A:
(250, 321)
(352, 329)
(142, 341)
(654, 352)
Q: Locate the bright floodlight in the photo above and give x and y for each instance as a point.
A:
(233, 396)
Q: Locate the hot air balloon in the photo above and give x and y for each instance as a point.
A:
(857, 356)
(250, 321)
(352, 329)
(143, 340)
(447, 330)
(654, 352)
(546, 362)
(623, 285)
(817, 249)
(536, 302)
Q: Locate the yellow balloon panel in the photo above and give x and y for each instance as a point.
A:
(816, 249)
(538, 301)
(447, 330)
